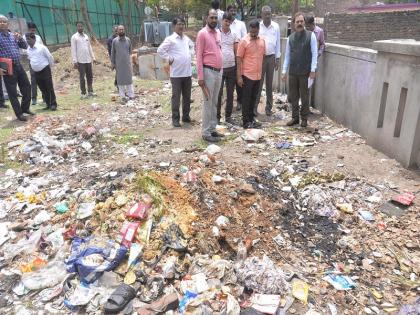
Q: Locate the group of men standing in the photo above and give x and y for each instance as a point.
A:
(13, 73)
(226, 55)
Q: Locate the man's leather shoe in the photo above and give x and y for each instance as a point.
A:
(53, 107)
(3, 106)
(29, 112)
(217, 134)
(292, 122)
(247, 125)
(229, 120)
(22, 118)
(186, 119)
(304, 123)
(256, 124)
(176, 124)
(46, 108)
(211, 139)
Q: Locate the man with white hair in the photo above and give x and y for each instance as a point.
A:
(270, 32)
(9, 50)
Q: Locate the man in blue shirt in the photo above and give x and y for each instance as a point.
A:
(9, 48)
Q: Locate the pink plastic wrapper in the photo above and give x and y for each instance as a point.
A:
(138, 210)
(128, 233)
(404, 199)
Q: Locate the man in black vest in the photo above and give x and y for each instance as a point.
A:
(301, 61)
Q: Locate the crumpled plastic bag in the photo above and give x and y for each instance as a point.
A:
(47, 277)
(318, 200)
(90, 257)
(214, 269)
(253, 135)
(262, 276)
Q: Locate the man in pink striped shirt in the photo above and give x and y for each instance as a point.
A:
(209, 70)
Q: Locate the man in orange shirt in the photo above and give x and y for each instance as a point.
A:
(249, 59)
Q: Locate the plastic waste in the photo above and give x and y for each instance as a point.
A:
(62, 207)
(262, 276)
(300, 290)
(138, 210)
(46, 277)
(212, 149)
(34, 265)
(41, 217)
(340, 282)
(366, 215)
(85, 210)
(128, 233)
(24, 245)
(187, 298)
(253, 135)
(241, 252)
(222, 221)
(90, 257)
(405, 199)
(232, 306)
(266, 303)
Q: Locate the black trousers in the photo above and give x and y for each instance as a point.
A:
(229, 77)
(18, 78)
(238, 94)
(34, 88)
(298, 88)
(249, 96)
(1, 92)
(181, 86)
(45, 84)
(85, 69)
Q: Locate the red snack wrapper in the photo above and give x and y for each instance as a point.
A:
(128, 233)
(138, 210)
(404, 199)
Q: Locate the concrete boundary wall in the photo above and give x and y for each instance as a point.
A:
(375, 93)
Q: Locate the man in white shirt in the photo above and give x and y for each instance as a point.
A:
(34, 92)
(229, 43)
(215, 4)
(239, 28)
(82, 55)
(270, 31)
(41, 62)
(178, 50)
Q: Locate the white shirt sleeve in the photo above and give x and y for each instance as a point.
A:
(243, 30)
(48, 55)
(163, 50)
(278, 43)
(314, 50)
(286, 58)
(73, 49)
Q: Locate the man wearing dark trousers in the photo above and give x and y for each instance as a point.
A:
(229, 43)
(178, 49)
(41, 62)
(9, 48)
(34, 88)
(249, 58)
(82, 55)
(301, 62)
(270, 31)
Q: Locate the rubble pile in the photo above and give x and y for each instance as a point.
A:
(103, 217)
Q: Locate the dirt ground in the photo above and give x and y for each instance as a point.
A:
(254, 191)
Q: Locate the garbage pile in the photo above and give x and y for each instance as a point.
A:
(100, 221)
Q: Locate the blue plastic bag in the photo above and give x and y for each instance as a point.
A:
(90, 257)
